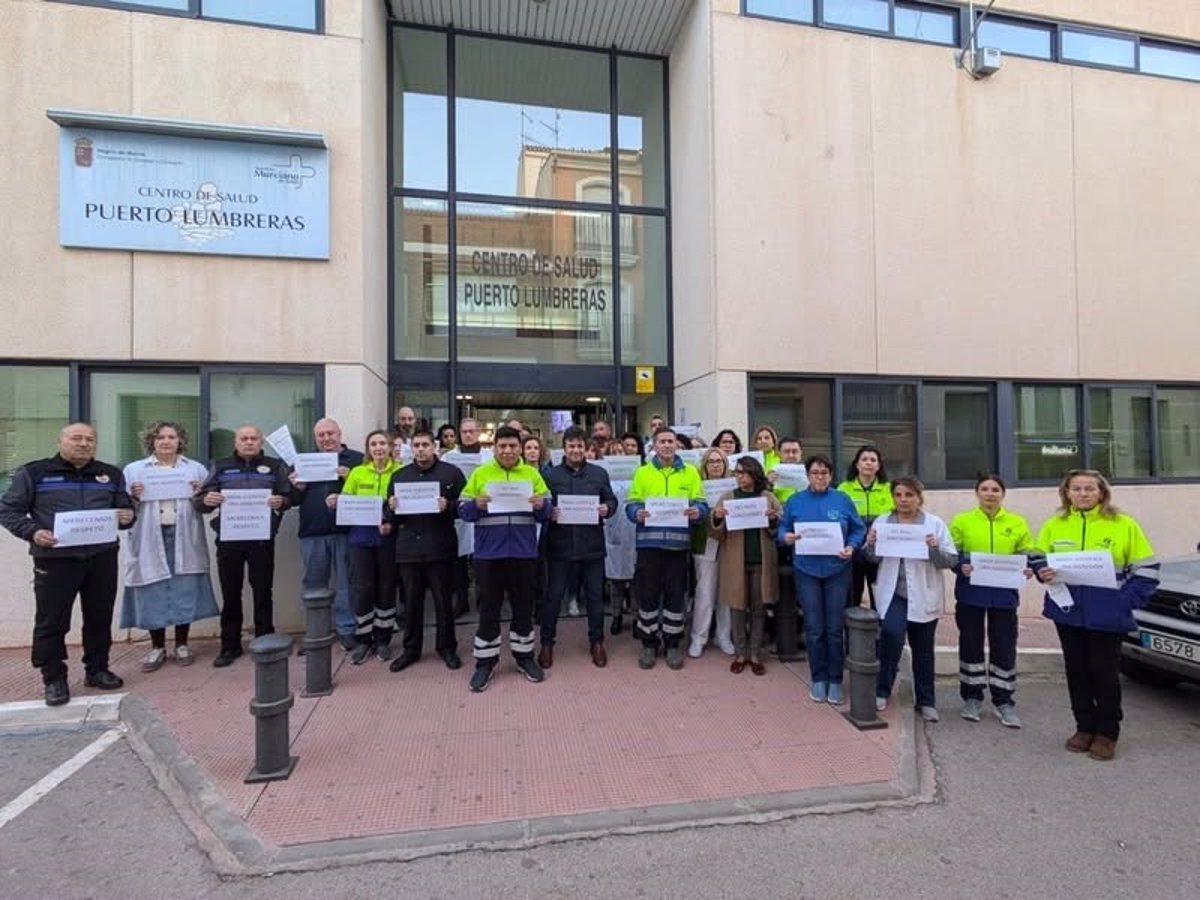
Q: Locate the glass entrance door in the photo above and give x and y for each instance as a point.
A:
(546, 415)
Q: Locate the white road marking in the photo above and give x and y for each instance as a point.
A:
(32, 795)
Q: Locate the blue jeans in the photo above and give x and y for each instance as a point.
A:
(891, 643)
(824, 603)
(327, 558)
(588, 576)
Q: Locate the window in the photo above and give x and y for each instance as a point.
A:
(1169, 60)
(958, 438)
(1179, 432)
(802, 409)
(298, 14)
(641, 127)
(883, 414)
(643, 259)
(1098, 49)
(34, 406)
(792, 10)
(422, 278)
(419, 111)
(1019, 38)
(1046, 419)
(122, 404)
(1119, 432)
(868, 15)
(934, 24)
(264, 399)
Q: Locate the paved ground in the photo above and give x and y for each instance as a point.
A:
(1016, 817)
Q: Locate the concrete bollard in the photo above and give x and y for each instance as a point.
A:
(318, 643)
(787, 617)
(269, 706)
(862, 666)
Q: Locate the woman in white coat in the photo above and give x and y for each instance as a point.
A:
(909, 594)
(713, 464)
(166, 553)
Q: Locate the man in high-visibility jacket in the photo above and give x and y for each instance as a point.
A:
(663, 548)
(506, 550)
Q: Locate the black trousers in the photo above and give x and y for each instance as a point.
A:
(56, 581)
(373, 592)
(436, 578)
(862, 574)
(234, 559)
(1092, 660)
(661, 574)
(999, 673)
(492, 578)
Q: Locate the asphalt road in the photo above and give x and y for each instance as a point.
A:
(1016, 817)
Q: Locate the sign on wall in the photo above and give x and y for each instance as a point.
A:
(125, 190)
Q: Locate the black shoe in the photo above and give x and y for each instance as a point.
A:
(226, 657)
(103, 680)
(450, 658)
(348, 641)
(617, 622)
(383, 651)
(403, 661)
(359, 654)
(57, 692)
(530, 669)
(482, 677)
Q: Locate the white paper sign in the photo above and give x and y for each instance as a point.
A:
(621, 490)
(509, 496)
(464, 462)
(245, 515)
(1085, 567)
(84, 527)
(619, 468)
(904, 541)
(746, 513)
(818, 538)
(160, 483)
(312, 468)
(356, 510)
(465, 532)
(998, 570)
(417, 498)
(556, 457)
(667, 512)
(687, 431)
(578, 509)
(715, 488)
(690, 457)
(281, 440)
(752, 454)
(791, 475)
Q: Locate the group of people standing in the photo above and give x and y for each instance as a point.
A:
(539, 532)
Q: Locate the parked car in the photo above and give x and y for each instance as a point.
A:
(1165, 649)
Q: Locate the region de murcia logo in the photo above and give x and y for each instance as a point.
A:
(293, 172)
(83, 152)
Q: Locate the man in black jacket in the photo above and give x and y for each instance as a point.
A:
(247, 469)
(576, 552)
(426, 546)
(323, 543)
(71, 481)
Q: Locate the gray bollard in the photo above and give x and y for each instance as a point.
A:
(862, 666)
(270, 705)
(787, 617)
(318, 643)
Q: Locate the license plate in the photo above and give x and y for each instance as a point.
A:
(1171, 646)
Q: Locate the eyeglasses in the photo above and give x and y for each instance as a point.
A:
(740, 472)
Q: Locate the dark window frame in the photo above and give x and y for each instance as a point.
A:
(195, 10)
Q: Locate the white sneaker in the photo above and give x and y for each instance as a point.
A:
(695, 651)
(727, 649)
(153, 660)
(880, 704)
(184, 655)
(928, 713)
(573, 608)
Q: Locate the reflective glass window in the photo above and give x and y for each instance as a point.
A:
(934, 24)
(1098, 49)
(802, 409)
(643, 259)
(958, 435)
(531, 120)
(1174, 62)
(419, 113)
(262, 399)
(882, 414)
(794, 10)
(122, 404)
(1179, 432)
(34, 406)
(534, 285)
(1021, 38)
(871, 15)
(282, 13)
(1046, 420)
(641, 125)
(422, 282)
(1119, 431)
